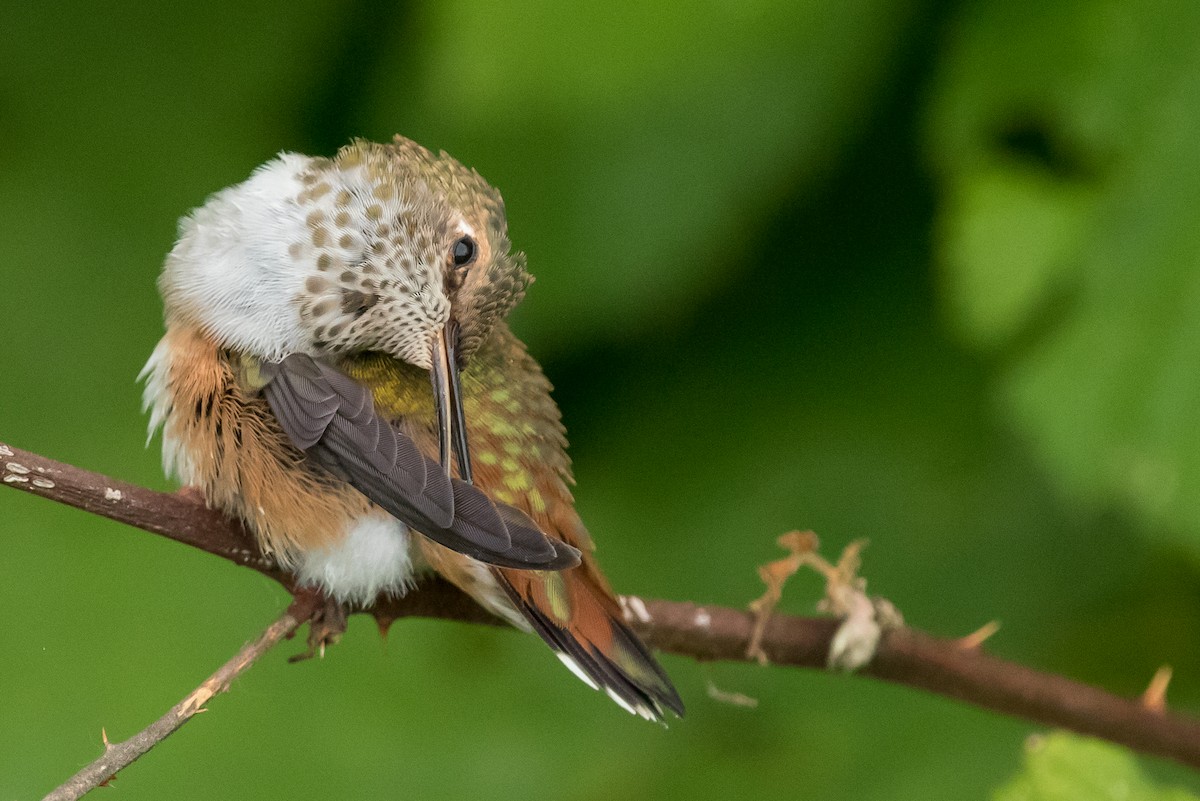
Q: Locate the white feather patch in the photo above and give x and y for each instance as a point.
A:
(621, 702)
(156, 399)
(574, 667)
(230, 272)
(374, 556)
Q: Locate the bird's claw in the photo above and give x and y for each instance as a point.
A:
(326, 621)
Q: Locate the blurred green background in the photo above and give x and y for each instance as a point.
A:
(922, 272)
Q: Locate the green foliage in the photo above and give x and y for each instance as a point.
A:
(729, 209)
(1065, 137)
(1063, 767)
(637, 128)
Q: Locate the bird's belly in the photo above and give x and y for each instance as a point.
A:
(377, 554)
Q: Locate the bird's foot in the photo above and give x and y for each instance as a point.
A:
(326, 620)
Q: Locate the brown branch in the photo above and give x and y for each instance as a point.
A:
(119, 755)
(904, 656)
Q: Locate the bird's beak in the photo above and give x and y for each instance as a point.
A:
(447, 398)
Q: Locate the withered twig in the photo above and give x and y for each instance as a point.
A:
(119, 755)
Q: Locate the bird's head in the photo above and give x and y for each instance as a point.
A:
(383, 248)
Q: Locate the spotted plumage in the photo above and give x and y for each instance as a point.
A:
(337, 372)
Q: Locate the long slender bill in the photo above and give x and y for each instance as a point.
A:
(447, 399)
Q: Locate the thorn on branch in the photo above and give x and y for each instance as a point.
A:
(981, 635)
(383, 621)
(1155, 697)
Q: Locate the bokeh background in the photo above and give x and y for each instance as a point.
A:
(922, 272)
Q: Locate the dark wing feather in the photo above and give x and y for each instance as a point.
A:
(331, 417)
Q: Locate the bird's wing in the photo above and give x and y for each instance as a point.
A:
(519, 458)
(331, 417)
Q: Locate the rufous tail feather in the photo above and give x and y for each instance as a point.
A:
(582, 623)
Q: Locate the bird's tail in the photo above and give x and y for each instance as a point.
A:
(575, 613)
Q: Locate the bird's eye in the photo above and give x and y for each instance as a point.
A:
(464, 252)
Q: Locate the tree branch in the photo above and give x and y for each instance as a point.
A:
(119, 755)
(904, 656)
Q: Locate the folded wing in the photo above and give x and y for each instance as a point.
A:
(331, 417)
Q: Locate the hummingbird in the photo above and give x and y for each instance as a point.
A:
(336, 371)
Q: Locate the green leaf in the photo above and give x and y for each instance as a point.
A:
(1009, 236)
(1064, 136)
(1065, 767)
